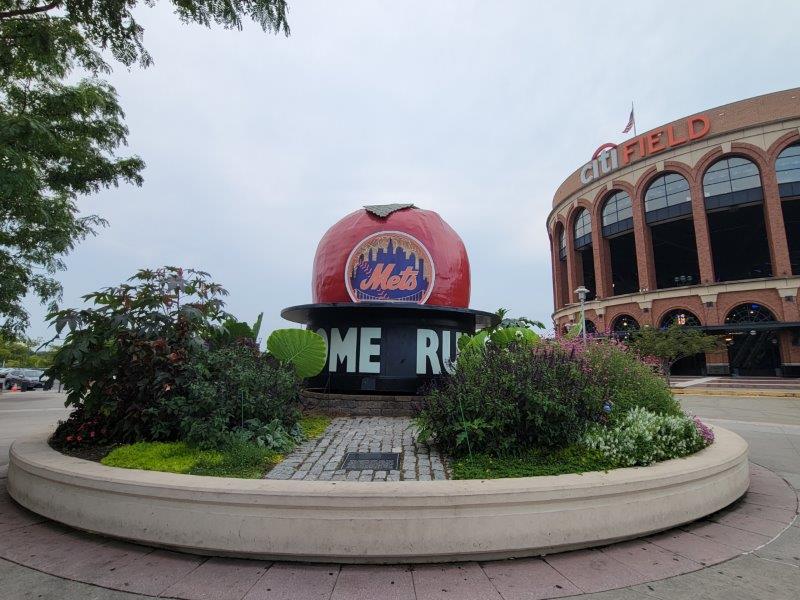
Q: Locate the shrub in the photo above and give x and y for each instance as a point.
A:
(80, 430)
(125, 357)
(643, 437)
(236, 388)
(509, 399)
(157, 359)
(625, 381)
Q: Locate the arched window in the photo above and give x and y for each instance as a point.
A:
(562, 244)
(618, 228)
(668, 211)
(624, 324)
(583, 229)
(736, 221)
(679, 316)
(667, 197)
(732, 181)
(787, 168)
(617, 214)
(590, 327)
(749, 313)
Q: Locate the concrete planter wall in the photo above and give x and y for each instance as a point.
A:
(405, 521)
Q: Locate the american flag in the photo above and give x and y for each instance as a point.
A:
(631, 123)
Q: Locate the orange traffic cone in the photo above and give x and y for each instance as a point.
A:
(16, 388)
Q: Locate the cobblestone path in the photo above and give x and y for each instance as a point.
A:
(321, 459)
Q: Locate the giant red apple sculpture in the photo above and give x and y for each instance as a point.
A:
(392, 253)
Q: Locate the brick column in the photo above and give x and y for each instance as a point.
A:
(705, 258)
(776, 229)
(573, 274)
(558, 293)
(645, 265)
(602, 262)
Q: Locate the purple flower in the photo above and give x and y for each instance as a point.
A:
(705, 431)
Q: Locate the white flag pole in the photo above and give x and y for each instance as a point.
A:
(634, 120)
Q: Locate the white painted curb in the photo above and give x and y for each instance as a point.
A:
(407, 521)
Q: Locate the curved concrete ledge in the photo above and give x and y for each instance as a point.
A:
(408, 521)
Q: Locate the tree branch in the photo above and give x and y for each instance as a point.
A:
(29, 11)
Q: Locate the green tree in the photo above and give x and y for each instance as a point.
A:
(60, 135)
(14, 353)
(25, 352)
(672, 344)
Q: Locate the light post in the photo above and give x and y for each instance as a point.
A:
(582, 291)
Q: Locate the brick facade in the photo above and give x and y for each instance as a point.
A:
(757, 129)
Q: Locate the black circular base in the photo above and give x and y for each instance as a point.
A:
(382, 347)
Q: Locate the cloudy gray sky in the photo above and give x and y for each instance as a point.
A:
(256, 144)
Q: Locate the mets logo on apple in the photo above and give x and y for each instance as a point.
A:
(389, 266)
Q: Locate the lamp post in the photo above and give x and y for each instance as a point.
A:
(582, 291)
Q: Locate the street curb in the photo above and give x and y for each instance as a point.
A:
(701, 391)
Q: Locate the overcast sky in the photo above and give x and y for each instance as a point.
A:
(255, 144)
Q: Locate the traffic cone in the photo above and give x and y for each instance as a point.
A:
(16, 388)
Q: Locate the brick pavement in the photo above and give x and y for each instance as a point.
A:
(321, 459)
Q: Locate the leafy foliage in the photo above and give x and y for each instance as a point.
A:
(506, 321)
(671, 344)
(236, 390)
(126, 356)
(170, 457)
(511, 397)
(507, 400)
(25, 352)
(624, 381)
(313, 426)
(234, 331)
(532, 463)
(642, 437)
(57, 142)
(158, 358)
(238, 460)
(59, 138)
(302, 348)
(111, 25)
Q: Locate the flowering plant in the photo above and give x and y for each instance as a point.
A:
(704, 430)
(81, 430)
(643, 437)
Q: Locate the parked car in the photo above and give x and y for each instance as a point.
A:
(5, 371)
(26, 379)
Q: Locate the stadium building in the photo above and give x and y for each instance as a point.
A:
(696, 222)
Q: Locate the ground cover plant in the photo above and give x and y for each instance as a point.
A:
(236, 459)
(517, 405)
(158, 359)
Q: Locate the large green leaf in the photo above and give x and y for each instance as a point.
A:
(503, 337)
(304, 349)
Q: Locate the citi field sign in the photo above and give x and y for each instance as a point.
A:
(389, 266)
(610, 157)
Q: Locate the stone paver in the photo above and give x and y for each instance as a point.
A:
(219, 579)
(528, 579)
(465, 581)
(321, 459)
(367, 582)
